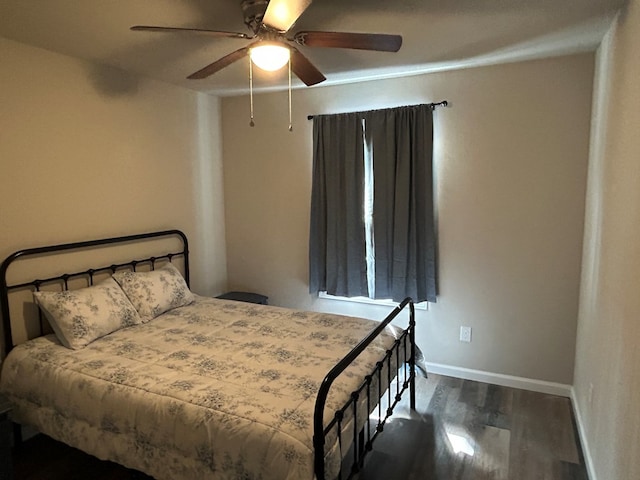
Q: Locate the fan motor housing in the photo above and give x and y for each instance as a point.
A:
(253, 11)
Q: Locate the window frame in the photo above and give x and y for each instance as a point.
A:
(371, 301)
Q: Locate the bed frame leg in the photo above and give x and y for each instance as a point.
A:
(412, 362)
(17, 435)
(412, 391)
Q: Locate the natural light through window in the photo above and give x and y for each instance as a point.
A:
(370, 246)
(460, 444)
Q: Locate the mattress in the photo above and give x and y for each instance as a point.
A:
(214, 390)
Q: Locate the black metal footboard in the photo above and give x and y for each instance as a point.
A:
(364, 436)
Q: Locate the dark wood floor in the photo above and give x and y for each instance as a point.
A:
(466, 430)
(461, 430)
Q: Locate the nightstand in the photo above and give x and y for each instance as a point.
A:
(6, 465)
(245, 297)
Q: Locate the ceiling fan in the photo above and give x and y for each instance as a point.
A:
(269, 22)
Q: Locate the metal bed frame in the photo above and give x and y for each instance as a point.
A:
(362, 438)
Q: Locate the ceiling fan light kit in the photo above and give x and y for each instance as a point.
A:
(270, 22)
(270, 56)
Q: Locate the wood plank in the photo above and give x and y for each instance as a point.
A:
(491, 456)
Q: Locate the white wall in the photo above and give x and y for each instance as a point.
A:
(88, 151)
(607, 373)
(511, 163)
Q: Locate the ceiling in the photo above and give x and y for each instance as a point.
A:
(437, 35)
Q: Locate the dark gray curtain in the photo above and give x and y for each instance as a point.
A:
(337, 239)
(400, 141)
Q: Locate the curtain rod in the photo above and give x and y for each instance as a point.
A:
(443, 103)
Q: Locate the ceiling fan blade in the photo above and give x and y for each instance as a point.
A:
(201, 31)
(219, 64)
(304, 69)
(381, 42)
(282, 14)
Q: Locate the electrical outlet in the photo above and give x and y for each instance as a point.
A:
(465, 334)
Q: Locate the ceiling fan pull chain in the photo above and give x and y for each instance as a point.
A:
(251, 123)
(290, 122)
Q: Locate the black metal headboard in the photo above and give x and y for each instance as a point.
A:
(34, 285)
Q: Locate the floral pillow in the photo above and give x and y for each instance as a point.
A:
(155, 292)
(78, 317)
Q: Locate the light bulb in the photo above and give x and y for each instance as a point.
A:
(270, 57)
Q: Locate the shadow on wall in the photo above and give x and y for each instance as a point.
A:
(156, 50)
(112, 82)
(160, 50)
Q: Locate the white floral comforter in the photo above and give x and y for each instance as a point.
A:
(217, 389)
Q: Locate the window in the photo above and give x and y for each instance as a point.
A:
(371, 301)
(372, 231)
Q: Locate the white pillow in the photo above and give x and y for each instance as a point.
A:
(78, 317)
(155, 292)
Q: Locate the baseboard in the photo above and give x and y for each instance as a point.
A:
(586, 451)
(541, 386)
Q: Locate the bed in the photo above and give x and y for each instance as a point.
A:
(181, 386)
